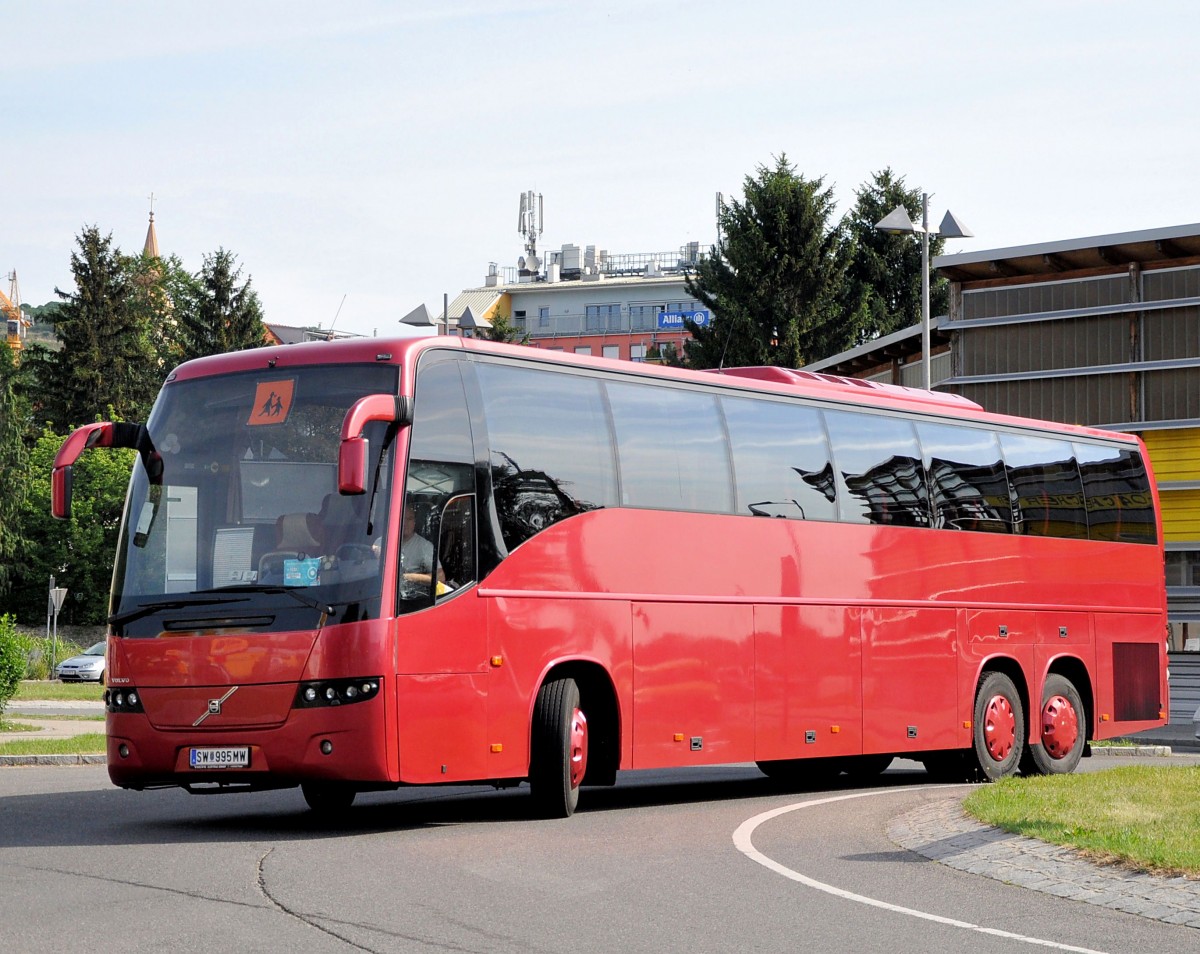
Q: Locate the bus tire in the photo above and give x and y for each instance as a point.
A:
(558, 749)
(327, 798)
(1062, 729)
(999, 726)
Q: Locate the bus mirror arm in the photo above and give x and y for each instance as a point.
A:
(100, 434)
(353, 450)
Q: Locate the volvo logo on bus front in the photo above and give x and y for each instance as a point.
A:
(214, 706)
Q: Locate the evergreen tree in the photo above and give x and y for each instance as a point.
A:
(883, 284)
(106, 361)
(225, 316)
(776, 287)
(503, 329)
(12, 465)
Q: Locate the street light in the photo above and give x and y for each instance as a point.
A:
(897, 222)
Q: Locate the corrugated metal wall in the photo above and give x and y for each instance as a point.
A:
(1175, 455)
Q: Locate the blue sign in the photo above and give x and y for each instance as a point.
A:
(673, 320)
(301, 572)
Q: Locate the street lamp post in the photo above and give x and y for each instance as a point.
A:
(897, 222)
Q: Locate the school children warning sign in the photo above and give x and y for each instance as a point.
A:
(272, 401)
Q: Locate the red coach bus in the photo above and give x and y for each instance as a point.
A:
(363, 564)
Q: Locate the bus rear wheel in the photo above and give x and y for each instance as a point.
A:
(558, 749)
(1061, 729)
(327, 798)
(999, 726)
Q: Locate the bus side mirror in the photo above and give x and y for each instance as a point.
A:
(101, 434)
(354, 449)
(92, 435)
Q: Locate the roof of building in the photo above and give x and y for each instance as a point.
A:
(1147, 247)
(574, 284)
(481, 301)
(290, 334)
(896, 346)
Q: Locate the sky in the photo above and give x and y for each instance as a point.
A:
(363, 158)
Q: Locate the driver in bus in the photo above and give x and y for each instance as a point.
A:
(416, 553)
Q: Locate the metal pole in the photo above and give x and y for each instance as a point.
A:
(54, 641)
(926, 360)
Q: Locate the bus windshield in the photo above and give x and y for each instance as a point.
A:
(245, 526)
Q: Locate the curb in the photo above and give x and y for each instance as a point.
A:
(52, 760)
(1129, 751)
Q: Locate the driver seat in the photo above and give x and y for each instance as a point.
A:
(295, 538)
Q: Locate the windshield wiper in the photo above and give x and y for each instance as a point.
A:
(326, 608)
(120, 619)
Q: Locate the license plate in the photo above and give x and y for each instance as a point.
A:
(220, 758)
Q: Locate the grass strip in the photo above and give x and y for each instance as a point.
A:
(37, 690)
(91, 743)
(1143, 817)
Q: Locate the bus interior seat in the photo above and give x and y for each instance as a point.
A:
(295, 538)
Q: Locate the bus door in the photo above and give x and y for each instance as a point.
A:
(440, 634)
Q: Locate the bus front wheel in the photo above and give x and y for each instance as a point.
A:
(1061, 730)
(999, 726)
(558, 749)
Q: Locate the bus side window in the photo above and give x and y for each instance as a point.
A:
(1116, 487)
(881, 478)
(672, 449)
(780, 460)
(456, 541)
(967, 481)
(1047, 493)
(551, 448)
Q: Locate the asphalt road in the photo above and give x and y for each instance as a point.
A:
(650, 866)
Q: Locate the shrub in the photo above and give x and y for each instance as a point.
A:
(12, 660)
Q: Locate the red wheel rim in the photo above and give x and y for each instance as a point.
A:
(578, 747)
(1000, 727)
(1060, 727)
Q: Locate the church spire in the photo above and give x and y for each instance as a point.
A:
(151, 249)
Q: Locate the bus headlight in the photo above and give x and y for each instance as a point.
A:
(336, 692)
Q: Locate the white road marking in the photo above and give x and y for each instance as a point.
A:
(742, 839)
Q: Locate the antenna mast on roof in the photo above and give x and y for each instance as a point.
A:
(529, 224)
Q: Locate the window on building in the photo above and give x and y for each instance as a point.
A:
(612, 351)
(544, 317)
(583, 349)
(637, 352)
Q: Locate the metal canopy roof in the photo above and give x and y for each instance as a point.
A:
(1150, 246)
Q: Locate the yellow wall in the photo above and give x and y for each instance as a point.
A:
(1175, 455)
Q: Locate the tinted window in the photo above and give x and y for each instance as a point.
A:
(1047, 492)
(441, 429)
(780, 459)
(967, 480)
(551, 453)
(879, 464)
(672, 450)
(1116, 488)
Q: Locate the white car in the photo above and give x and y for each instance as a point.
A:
(88, 666)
